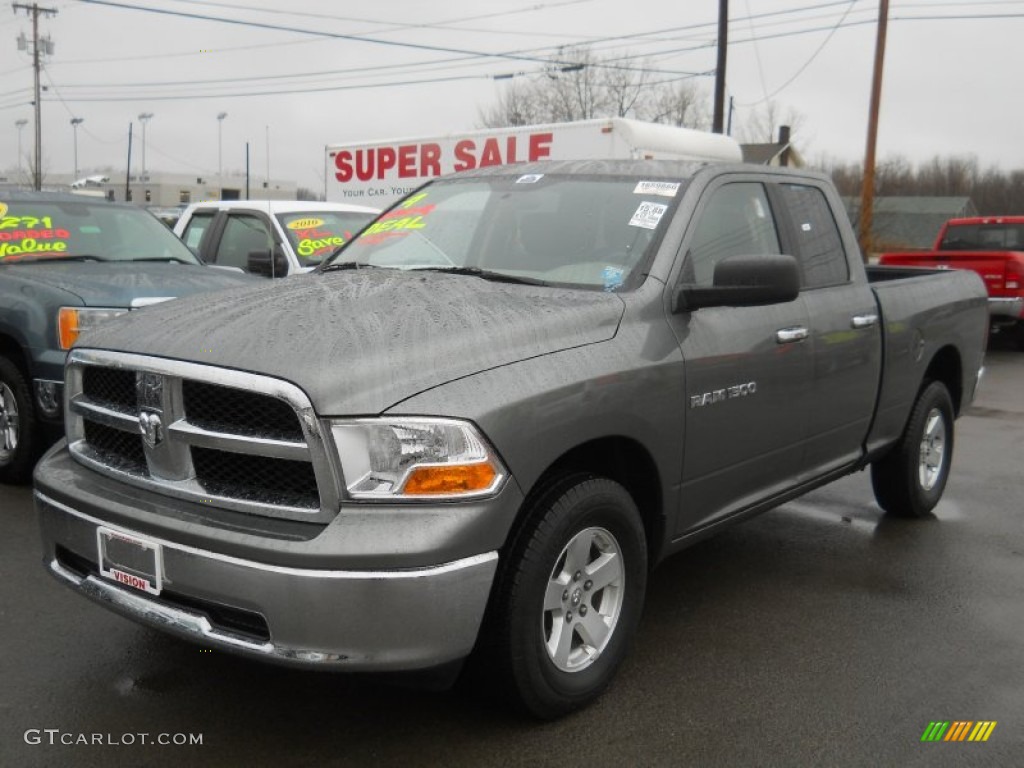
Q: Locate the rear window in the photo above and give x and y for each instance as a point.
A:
(983, 237)
(314, 235)
(33, 231)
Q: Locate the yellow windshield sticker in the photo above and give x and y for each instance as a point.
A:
(310, 223)
(3, 209)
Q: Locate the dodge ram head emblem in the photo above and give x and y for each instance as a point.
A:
(151, 428)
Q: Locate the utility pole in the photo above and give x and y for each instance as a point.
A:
(75, 122)
(867, 195)
(718, 122)
(20, 123)
(34, 10)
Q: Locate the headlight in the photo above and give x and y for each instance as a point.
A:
(71, 321)
(415, 458)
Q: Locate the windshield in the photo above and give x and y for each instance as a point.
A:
(984, 237)
(593, 232)
(314, 235)
(38, 230)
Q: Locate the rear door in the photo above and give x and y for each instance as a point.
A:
(845, 329)
(748, 369)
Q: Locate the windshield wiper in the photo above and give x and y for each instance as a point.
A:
(77, 257)
(341, 265)
(484, 274)
(164, 258)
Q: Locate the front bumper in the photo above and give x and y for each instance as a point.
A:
(372, 620)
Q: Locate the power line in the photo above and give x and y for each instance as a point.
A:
(806, 64)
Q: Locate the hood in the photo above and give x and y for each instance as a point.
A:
(115, 284)
(358, 342)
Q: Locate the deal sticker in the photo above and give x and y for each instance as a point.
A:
(648, 215)
(530, 178)
(660, 188)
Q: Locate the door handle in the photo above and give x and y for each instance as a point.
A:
(863, 321)
(790, 335)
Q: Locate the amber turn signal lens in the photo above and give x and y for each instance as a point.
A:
(456, 478)
(67, 327)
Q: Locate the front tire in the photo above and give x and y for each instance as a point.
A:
(19, 436)
(570, 596)
(910, 479)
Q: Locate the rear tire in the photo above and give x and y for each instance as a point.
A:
(909, 480)
(1018, 335)
(570, 596)
(19, 434)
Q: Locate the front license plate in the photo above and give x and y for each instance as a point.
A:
(130, 560)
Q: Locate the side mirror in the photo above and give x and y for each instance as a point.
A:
(744, 281)
(268, 263)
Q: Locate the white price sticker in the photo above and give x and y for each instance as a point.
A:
(648, 215)
(660, 188)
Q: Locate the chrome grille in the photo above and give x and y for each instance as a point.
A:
(110, 386)
(242, 413)
(121, 450)
(236, 440)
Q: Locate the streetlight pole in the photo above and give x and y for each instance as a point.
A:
(75, 122)
(20, 123)
(220, 146)
(144, 118)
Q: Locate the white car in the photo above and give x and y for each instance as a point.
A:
(275, 238)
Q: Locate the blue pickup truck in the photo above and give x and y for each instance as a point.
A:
(67, 264)
(477, 426)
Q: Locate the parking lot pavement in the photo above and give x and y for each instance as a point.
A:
(818, 634)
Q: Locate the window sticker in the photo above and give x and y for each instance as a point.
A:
(530, 178)
(648, 215)
(3, 210)
(660, 188)
(22, 236)
(307, 223)
(312, 239)
(612, 277)
(806, 227)
(403, 220)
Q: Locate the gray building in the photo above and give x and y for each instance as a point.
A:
(170, 190)
(910, 223)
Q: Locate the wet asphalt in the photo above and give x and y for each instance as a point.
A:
(820, 633)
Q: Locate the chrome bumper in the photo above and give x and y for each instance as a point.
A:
(359, 620)
(1008, 306)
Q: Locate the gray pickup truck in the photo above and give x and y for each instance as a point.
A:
(68, 263)
(478, 427)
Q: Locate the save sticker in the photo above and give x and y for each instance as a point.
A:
(660, 188)
(648, 215)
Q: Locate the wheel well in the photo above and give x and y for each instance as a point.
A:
(626, 462)
(12, 350)
(946, 368)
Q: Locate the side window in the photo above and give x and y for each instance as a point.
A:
(737, 221)
(242, 235)
(196, 228)
(818, 243)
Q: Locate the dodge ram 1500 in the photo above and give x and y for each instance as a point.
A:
(478, 426)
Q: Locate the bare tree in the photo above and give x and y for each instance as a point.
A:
(680, 104)
(762, 125)
(578, 86)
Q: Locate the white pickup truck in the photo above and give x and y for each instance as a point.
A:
(275, 238)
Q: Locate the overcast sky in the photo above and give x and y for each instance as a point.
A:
(398, 68)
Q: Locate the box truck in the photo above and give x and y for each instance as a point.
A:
(379, 172)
